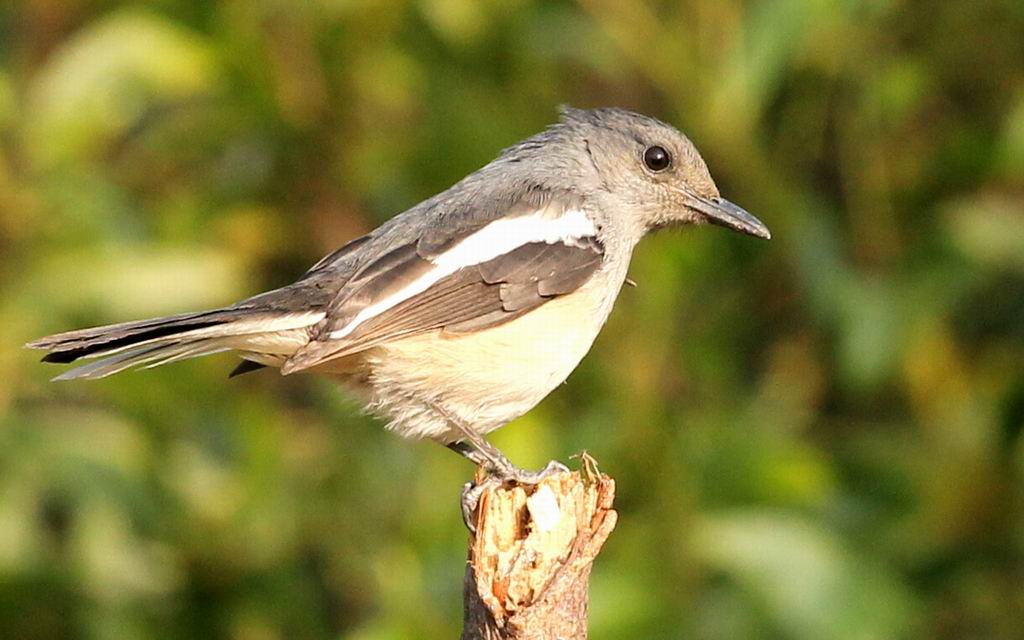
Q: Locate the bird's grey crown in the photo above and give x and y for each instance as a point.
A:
(608, 118)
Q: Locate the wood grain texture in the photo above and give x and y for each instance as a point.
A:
(530, 560)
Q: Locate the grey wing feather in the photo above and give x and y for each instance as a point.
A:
(346, 250)
(457, 299)
(572, 274)
(375, 281)
(536, 272)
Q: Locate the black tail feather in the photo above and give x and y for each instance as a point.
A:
(158, 341)
(246, 366)
(70, 353)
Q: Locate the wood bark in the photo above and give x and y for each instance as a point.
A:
(529, 564)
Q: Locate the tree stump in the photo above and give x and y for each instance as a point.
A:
(529, 562)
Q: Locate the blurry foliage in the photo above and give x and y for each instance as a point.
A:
(815, 437)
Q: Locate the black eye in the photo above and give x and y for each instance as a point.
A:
(656, 158)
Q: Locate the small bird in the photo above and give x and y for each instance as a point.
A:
(462, 313)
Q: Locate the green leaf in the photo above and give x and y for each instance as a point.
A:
(805, 579)
(101, 82)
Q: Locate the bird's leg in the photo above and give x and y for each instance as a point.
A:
(478, 450)
(498, 467)
(471, 453)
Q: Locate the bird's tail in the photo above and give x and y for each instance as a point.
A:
(260, 335)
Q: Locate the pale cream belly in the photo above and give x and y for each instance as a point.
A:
(488, 378)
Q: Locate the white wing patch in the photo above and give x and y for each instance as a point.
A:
(508, 234)
(493, 240)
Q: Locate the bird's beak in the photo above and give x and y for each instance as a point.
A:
(725, 214)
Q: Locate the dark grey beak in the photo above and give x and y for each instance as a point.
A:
(725, 214)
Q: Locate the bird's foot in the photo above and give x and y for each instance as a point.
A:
(471, 494)
(513, 474)
(501, 474)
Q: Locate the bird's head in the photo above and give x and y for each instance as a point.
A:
(656, 170)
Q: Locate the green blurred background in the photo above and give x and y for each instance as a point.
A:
(815, 437)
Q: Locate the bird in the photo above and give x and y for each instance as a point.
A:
(462, 313)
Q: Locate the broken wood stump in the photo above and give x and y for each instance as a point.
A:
(528, 571)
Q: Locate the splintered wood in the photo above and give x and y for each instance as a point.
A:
(530, 561)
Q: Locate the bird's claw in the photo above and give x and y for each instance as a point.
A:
(471, 494)
(522, 476)
(497, 477)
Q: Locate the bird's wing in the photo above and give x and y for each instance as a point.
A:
(460, 282)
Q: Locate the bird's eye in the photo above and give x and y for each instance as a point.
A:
(656, 158)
